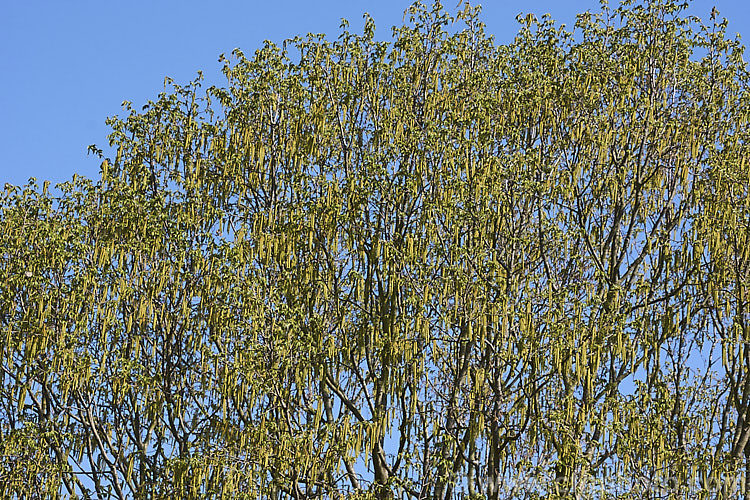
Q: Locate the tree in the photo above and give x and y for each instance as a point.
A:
(427, 268)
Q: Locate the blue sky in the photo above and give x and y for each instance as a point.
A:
(66, 66)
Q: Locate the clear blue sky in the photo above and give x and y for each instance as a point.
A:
(67, 65)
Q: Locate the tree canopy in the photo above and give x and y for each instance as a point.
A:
(429, 267)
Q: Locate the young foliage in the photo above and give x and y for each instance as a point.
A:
(433, 267)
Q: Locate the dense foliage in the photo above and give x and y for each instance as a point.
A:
(432, 267)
